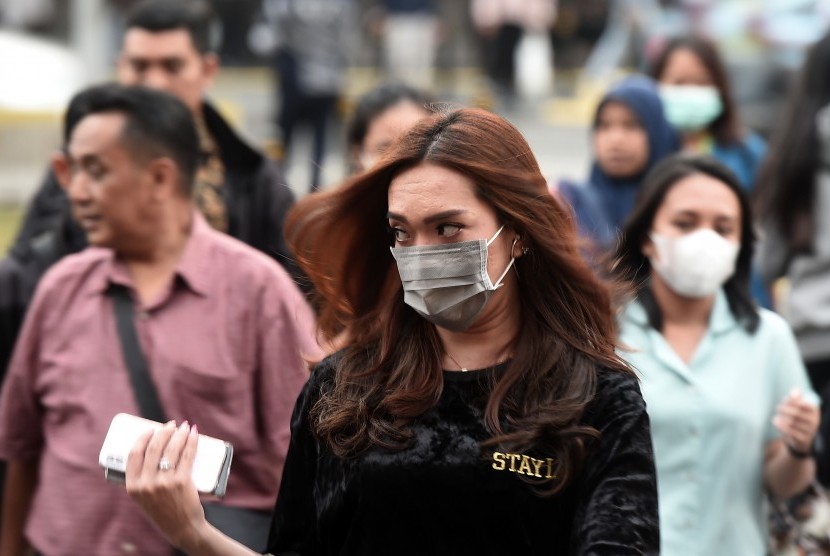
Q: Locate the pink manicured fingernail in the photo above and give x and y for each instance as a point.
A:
(183, 426)
(194, 430)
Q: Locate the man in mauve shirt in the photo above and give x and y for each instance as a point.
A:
(224, 330)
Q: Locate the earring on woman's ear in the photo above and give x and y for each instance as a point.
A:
(525, 250)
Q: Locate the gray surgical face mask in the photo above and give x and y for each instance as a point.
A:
(448, 284)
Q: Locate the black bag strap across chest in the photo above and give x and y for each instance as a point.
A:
(140, 379)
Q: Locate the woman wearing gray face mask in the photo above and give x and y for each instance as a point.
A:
(731, 408)
(479, 381)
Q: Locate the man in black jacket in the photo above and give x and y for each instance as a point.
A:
(168, 46)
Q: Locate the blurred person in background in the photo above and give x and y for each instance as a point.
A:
(220, 329)
(27, 261)
(381, 116)
(630, 135)
(464, 379)
(26, 14)
(578, 26)
(501, 25)
(29, 258)
(236, 18)
(314, 43)
(590, 223)
(731, 407)
(627, 27)
(762, 43)
(410, 32)
(793, 195)
(695, 90)
(167, 46)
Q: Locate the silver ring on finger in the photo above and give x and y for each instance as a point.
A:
(165, 465)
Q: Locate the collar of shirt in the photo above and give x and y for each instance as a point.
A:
(191, 268)
(207, 145)
(720, 320)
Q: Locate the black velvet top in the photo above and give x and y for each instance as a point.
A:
(444, 496)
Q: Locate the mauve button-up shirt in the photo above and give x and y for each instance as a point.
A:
(226, 345)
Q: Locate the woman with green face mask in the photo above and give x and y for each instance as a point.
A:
(695, 91)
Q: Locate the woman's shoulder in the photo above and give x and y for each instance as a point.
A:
(613, 382)
(754, 142)
(773, 343)
(320, 380)
(772, 325)
(325, 370)
(749, 143)
(617, 393)
(750, 147)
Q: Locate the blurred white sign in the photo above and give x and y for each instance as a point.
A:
(37, 75)
(534, 65)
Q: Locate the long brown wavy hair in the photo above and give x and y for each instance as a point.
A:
(390, 372)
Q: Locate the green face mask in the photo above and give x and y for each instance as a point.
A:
(691, 107)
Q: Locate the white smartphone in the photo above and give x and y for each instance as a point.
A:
(210, 468)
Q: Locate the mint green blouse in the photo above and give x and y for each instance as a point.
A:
(710, 422)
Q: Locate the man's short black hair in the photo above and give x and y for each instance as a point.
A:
(157, 123)
(194, 16)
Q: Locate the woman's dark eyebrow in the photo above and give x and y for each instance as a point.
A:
(443, 215)
(429, 219)
(694, 214)
(398, 217)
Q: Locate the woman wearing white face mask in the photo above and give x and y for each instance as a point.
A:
(478, 406)
(731, 407)
(694, 88)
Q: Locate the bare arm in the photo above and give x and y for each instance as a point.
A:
(21, 478)
(211, 542)
(786, 475)
(798, 421)
(169, 498)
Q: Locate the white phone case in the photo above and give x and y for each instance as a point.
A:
(210, 468)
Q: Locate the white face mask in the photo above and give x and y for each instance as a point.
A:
(696, 264)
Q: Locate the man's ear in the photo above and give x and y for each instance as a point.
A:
(165, 177)
(122, 68)
(210, 65)
(59, 161)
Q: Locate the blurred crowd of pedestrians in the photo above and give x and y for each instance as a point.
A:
(677, 406)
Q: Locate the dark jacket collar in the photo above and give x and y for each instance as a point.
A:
(236, 154)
